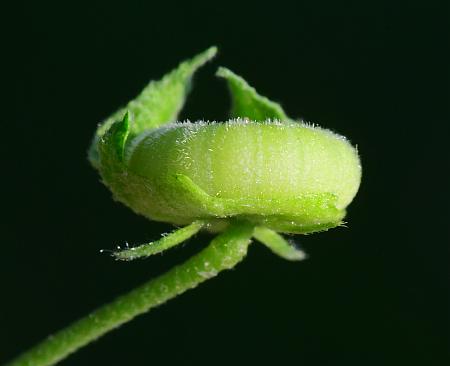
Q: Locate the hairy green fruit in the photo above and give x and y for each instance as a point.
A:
(260, 166)
(290, 177)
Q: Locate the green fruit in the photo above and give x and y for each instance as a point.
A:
(260, 167)
(288, 176)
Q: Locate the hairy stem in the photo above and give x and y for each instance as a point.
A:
(224, 252)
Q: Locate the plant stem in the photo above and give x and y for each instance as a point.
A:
(224, 252)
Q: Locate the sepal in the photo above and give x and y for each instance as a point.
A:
(158, 103)
(247, 103)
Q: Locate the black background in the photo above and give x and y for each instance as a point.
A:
(375, 293)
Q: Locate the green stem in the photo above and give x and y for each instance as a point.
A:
(224, 252)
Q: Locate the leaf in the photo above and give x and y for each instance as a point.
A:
(247, 103)
(158, 103)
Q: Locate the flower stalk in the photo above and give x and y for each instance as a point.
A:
(224, 252)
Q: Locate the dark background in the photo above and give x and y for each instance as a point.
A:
(375, 293)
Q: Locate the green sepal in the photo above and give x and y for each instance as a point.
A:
(159, 102)
(277, 244)
(111, 148)
(247, 103)
(166, 242)
(118, 134)
(126, 187)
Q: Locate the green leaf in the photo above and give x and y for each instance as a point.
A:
(247, 103)
(158, 103)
